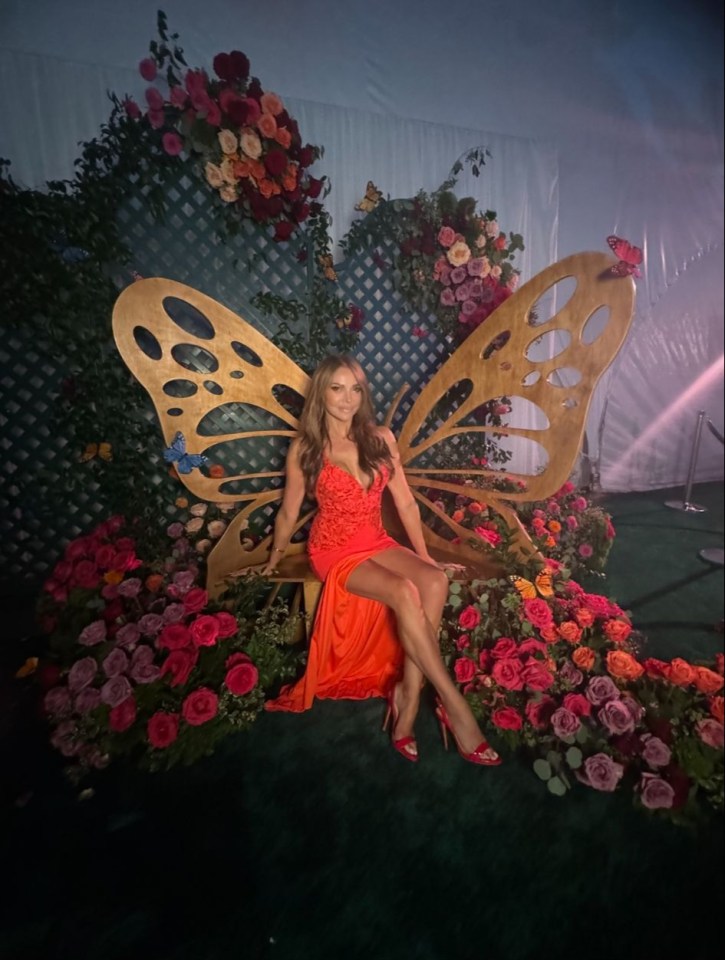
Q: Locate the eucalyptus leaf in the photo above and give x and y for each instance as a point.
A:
(542, 769)
(556, 786)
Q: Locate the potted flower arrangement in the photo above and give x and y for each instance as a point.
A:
(250, 147)
(145, 665)
(554, 671)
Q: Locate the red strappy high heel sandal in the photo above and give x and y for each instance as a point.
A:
(484, 754)
(406, 746)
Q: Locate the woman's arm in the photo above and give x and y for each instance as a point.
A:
(404, 501)
(289, 511)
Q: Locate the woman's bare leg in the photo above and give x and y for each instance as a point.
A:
(401, 584)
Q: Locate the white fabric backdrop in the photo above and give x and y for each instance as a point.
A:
(626, 97)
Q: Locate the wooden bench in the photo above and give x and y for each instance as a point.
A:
(162, 328)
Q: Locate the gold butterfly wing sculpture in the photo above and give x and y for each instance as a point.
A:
(220, 362)
(485, 374)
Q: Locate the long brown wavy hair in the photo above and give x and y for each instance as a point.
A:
(373, 451)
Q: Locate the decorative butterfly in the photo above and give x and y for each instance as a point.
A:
(630, 258)
(176, 454)
(255, 378)
(542, 585)
(103, 450)
(325, 261)
(372, 198)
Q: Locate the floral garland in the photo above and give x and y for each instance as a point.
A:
(554, 671)
(251, 149)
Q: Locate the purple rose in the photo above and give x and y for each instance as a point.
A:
(657, 794)
(601, 772)
(150, 624)
(144, 671)
(711, 732)
(115, 663)
(636, 710)
(64, 739)
(92, 634)
(128, 636)
(81, 674)
(115, 691)
(655, 752)
(109, 591)
(142, 654)
(570, 674)
(173, 613)
(174, 530)
(564, 722)
(615, 716)
(130, 587)
(601, 689)
(88, 699)
(57, 701)
(183, 582)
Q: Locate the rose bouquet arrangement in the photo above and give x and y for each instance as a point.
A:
(250, 147)
(453, 262)
(554, 671)
(144, 664)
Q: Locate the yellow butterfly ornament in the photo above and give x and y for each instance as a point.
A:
(103, 451)
(372, 198)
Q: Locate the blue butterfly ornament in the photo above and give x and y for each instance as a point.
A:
(176, 453)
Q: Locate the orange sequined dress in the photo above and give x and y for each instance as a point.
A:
(354, 651)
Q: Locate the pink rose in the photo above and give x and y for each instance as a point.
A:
(242, 678)
(163, 729)
(711, 733)
(172, 143)
(469, 617)
(504, 647)
(656, 793)
(200, 706)
(601, 772)
(204, 630)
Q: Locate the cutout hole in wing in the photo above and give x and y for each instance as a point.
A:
(548, 346)
(186, 316)
(246, 353)
(147, 343)
(194, 358)
(522, 414)
(551, 301)
(496, 344)
(564, 377)
(236, 374)
(174, 411)
(569, 403)
(531, 379)
(595, 325)
(248, 455)
(445, 407)
(213, 387)
(239, 418)
(288, 398)
(180, 388)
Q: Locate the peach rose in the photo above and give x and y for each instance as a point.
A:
(227, 169)
(680, 672)
(459, 254)
(199, 509)
(707, 681)
(584, 658)
(227, 141)
(271, 103)
(267, 125)
(250, 143)
(228, 193)
(213, 175)
(623, 666)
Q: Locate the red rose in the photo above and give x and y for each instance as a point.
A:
(655, 669)
(174, 636)
(222, 64)
(48, 675)
(204, 630)
(105, 555)
(86, 575)
(506, 718)
(301, 211)
(239, 65)
(275, 162)
(126, 560)
(242, 678)
(314, 187)
(507, 674)
(469, 617)
(307, 156)
(536, 677)
(195, 600)
(464, 669)
(228, 625)
(235, 658)
(112, 610)
(283, 230)
(179, 665)
(504, 647)
(122, 716)
(539, 712)
(163, 729)
(578, 704)
(200, 706)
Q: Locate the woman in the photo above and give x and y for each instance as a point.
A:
(378, 595)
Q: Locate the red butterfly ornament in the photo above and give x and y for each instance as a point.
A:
(629, 256)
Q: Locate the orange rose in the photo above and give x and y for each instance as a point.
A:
(680, 672)
(474, 507)
(154, 581)
(181, 502)
(550, 542)
(217, 471)
(716, 708)
(570, 631)
(458, 515)
(584, 617)
(549, 633)
(617, 631)
(283, 137)
(554, 526)
(267, 125)
(113, 576)
(707, 681)
(584, 658)
(623, 666)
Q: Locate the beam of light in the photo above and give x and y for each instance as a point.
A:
(705, 380)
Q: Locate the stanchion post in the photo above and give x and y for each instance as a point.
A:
(685, 503)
